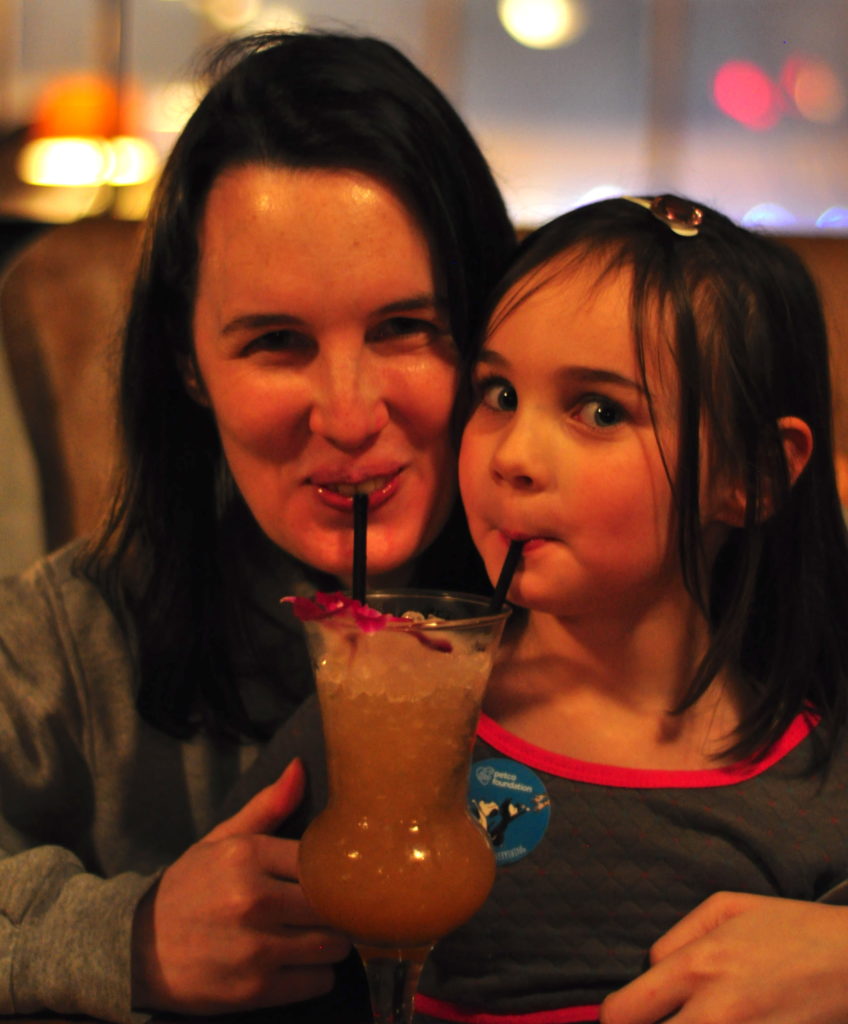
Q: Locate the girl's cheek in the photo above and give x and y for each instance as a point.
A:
(466, 463)
(472, 486)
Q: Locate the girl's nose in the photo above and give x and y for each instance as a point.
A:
(517, 459)
(349, 409)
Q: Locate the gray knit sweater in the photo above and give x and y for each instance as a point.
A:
(93, 801)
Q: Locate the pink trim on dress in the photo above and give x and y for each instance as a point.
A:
(640, 778)
(456, 1014)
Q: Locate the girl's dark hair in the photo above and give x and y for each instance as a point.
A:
(743, 320)
(310, 100)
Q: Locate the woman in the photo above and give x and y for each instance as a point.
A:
(322, 236)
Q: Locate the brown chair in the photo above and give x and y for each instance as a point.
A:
(827, 258)
(61, 305)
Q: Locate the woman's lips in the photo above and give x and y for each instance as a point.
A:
(339, 494)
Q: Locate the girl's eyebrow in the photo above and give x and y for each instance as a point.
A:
(411, 304)
(596, 375)
(570, 374)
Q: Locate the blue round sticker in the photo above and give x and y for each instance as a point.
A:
(510, 801)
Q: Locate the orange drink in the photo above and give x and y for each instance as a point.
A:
(395, 859)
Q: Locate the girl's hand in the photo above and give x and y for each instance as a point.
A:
(228, 927)
(742, 959)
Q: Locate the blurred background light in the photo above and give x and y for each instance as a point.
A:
(228, 15)
(77, 104)
(542, 24)
(599, 192)
(242, 16)
(814, 88)
(132, 161)
(835, 218)
(171, 105)
(744, 92)
(67, 160)
(739, 104)
(277, 16)
(87, 161)
(769, 215)
(79, 135)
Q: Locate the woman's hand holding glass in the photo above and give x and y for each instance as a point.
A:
(227, 926)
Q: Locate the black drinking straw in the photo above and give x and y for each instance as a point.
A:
(505, 578)
(360, 532)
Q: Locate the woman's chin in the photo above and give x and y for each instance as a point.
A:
(390, 553)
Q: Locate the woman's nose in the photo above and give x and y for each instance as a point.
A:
(518, 457)
(349, 408)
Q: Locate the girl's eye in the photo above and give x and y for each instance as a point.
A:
(601, 413)
(498, 394)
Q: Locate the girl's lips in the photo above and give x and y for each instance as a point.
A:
(529, 543)
(339, 496)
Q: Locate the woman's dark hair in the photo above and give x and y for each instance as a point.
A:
(742, 318)
(310, 100)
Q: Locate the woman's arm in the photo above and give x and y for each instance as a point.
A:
(64, 925)
(94, 803)
(64, 936)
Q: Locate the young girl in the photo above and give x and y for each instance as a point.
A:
(651, 417)
(660, 763)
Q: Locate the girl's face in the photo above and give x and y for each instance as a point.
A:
(324, 352)
(561, 451)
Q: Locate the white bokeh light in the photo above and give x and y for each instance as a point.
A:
(542, 24)
(282, 17)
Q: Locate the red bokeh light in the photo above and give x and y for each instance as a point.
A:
(745, 92)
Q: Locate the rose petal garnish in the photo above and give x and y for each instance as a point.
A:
(324, 606)
(369, 620)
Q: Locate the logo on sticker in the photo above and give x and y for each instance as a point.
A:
(511, 803)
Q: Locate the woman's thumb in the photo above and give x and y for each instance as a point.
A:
(269, 807)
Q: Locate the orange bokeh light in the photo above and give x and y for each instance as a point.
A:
(815, 89)
(84, 104)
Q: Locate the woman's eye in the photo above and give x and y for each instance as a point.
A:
(498, 394)
(285, 341)
(601, 412)
(401, 327)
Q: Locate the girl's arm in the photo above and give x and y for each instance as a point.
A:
(743, 959)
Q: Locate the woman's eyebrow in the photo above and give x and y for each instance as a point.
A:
(423, 301)
(259, 321)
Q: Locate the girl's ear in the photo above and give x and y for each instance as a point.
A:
(797, 440)
(192, 380)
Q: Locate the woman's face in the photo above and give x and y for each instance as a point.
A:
(325, 354)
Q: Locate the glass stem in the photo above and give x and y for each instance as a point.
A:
(392, 983)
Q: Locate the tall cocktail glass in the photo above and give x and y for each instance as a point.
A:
(395, 859)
